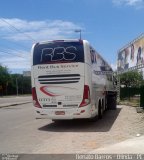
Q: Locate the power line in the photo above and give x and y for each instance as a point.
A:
(12, 43)
(18, 30)
(18, 45)
(12, 54)
(10, 49)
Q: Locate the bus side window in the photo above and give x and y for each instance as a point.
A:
(92, 58)
(93, 55)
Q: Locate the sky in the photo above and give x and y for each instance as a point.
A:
(107, 24)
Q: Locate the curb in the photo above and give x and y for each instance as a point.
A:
(14, 104)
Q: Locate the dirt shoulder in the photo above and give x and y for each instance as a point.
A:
(83, 136)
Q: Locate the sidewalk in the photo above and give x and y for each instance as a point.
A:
(130, 146)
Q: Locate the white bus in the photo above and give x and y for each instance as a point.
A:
(69, 80)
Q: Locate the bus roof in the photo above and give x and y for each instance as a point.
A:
(62, 40)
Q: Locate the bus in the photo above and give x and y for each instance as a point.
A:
(70, 80)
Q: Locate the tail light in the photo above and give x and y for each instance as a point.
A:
(35, 100)
(86, 96)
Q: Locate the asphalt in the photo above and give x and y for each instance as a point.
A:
(130, 146)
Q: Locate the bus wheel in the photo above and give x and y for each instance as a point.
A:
(100, 112)
(106, 108)
(55, 120)
(111, 101)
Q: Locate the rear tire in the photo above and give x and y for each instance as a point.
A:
(111, 102)
(100, 112)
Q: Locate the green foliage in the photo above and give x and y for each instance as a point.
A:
(4, 76)
(23, 84)
(127, 92)
(131, 79)
(10, 82)
(132, 84)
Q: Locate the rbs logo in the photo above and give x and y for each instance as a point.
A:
(58, 54)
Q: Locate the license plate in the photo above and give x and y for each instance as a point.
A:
(60, 112)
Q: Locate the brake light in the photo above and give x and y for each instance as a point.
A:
(35, 100)
(86, 96)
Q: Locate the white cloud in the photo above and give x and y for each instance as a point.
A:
(16, 59)
(38, 30)
(135, 3)
(15, 63)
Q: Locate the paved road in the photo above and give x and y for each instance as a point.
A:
(19, 129)
(20, 132)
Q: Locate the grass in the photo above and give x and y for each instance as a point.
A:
(132, 101)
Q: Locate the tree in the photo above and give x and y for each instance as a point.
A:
(131, 79)
(19, 84)
(132, 82)
(4, 78)
(11, 84)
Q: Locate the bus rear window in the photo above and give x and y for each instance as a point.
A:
(58, 52)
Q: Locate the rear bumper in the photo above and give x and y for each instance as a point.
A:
(70, 113)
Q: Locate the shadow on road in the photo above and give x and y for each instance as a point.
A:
(102, 125)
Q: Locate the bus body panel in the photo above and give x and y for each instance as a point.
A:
(69, 113)
(63, 91)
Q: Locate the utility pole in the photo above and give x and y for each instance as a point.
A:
(78, 31)
(16, 86)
